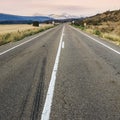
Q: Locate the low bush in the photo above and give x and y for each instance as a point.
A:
(97, 32)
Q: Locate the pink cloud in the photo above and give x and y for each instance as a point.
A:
(25, 7)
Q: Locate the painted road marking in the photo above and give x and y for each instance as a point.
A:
(49, 97)
(2, 53)
(98, 41)
(63, 44)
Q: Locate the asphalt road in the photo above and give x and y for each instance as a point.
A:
(84, 72)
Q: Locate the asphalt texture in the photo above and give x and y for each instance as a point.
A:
(25, 74)
(87, 82)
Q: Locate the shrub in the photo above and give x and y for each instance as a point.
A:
(97, 32)
(36, 23)
(82, 27)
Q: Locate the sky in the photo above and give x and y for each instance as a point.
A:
(46, 7)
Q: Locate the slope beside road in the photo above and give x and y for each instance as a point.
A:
(84, 72)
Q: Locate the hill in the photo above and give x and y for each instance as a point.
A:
(106, 25)
(111, 16)
(15, 19)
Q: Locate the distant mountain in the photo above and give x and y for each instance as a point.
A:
(8, 18)
(63, 16)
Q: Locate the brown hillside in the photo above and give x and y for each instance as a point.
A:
(107, 23)
(111, 16)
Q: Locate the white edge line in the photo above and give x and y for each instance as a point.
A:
(2, 53)
(48, 102)
(97, 41)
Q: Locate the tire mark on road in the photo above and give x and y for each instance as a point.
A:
(32, 105)
(39, 93)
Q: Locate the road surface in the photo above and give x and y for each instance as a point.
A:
(60, 74)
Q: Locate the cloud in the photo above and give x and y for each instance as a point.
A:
(77, 7)
(72, 8)
(48, 8)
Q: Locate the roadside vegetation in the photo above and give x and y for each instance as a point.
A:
(12, 33)
(105, 25)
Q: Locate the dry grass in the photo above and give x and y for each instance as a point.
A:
(12, 33)
(113, 37)
(18, 27)
(91, 31)
(108, 30)
(105, 25)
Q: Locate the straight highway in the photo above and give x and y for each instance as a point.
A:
(60, 74)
